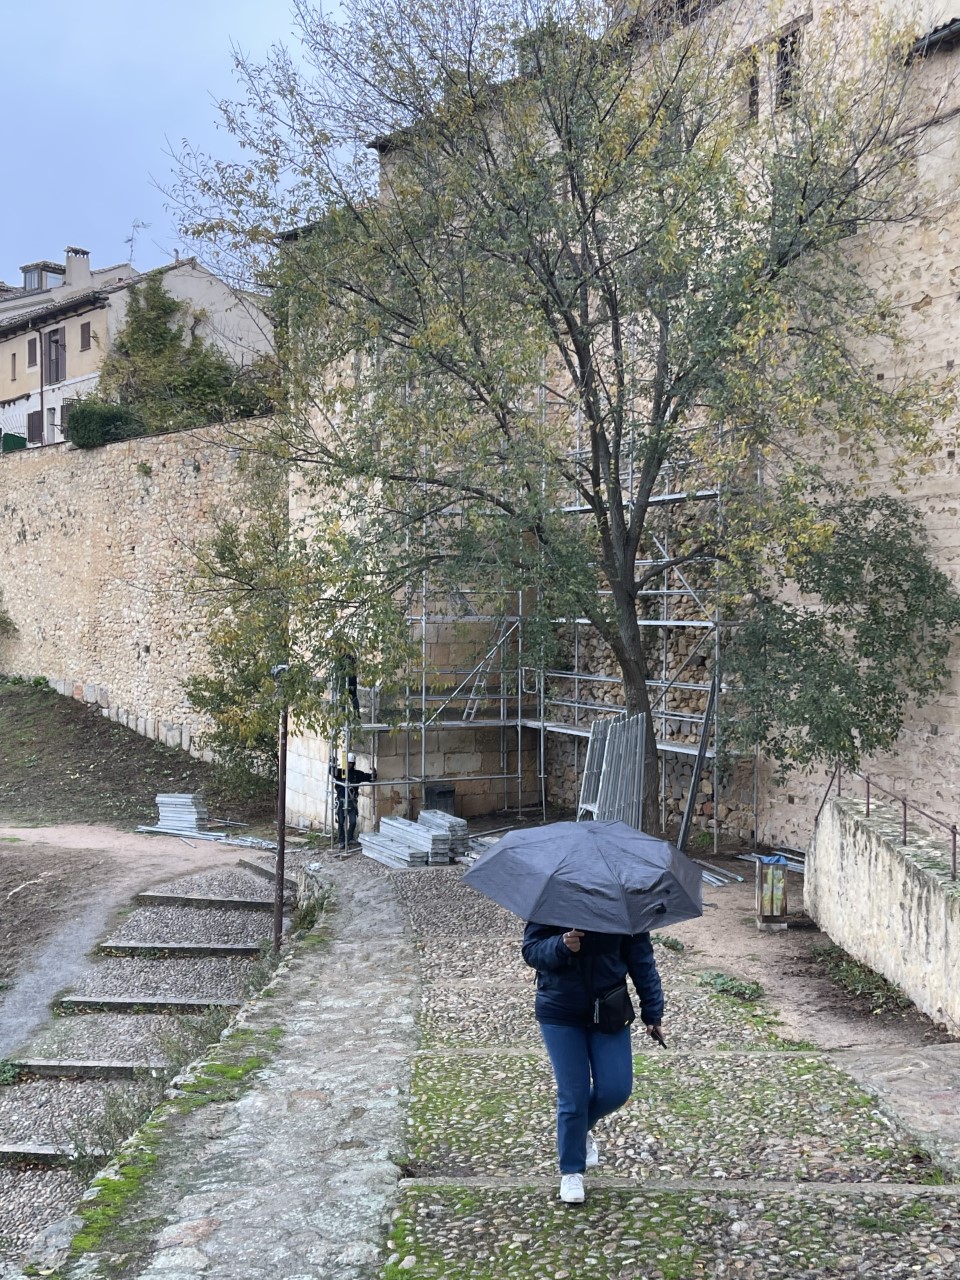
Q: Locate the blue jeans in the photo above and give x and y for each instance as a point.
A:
(594, 1074)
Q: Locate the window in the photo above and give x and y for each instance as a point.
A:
(31, 353)
(13, 366)
(788, 67)
(55, 355)
(65, 409)
(31, 279)
(85, 336)
(51, 419)
(35, 427)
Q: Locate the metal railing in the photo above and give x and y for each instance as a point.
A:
(906, 806)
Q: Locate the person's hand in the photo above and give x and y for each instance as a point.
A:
(656, 1033)
(571, 940)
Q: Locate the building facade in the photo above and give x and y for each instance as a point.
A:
(58, 325)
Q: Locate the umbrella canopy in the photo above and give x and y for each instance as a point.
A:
(604, 877)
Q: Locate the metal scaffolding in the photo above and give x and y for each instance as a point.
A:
(502, 691)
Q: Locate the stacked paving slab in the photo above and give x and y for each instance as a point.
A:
(185, 948)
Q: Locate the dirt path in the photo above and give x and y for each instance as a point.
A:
(810, 1005)
(59, 888)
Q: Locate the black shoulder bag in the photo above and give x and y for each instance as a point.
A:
(611, 1010)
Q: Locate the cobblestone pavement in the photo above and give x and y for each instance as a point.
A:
(741, 1155)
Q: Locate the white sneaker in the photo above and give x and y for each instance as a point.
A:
(571, 1188)
(593, 1155)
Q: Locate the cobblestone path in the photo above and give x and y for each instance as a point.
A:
(739, 1155)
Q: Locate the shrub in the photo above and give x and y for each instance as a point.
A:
(94, 423)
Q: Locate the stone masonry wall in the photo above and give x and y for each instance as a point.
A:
(893, 907)
(470, 757)
(95, 556)
(925, 764)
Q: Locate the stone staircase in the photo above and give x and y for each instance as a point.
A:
(172, 972)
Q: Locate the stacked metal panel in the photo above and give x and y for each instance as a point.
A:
(446, 823)
(392, 853)
(434, 842)
(614, 772)
(478, 846)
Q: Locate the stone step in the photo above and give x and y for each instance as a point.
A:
(727, 1188)
(172, 950)
(134, 1040)
(47, 1155)
(72, 1069)
(140, 1004)
(203, 903)
(267, 873)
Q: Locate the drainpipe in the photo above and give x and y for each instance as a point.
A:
(43, 416)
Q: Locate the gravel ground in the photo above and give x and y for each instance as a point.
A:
(478, 1013)
(209, 977)
(232, 883)
(440, 905)
(115, 1037)
(31, 1199)
(160, 925)
(795, 1117)
(499, 959)
(522, 1235)
(58, 1111)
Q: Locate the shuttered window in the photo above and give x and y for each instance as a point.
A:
(31, 353)
(35, 428)
(85, 336)
(55, 355)
(13, 366)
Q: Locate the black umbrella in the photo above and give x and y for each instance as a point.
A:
(604, 877)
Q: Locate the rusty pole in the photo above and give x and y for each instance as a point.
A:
(278, 672)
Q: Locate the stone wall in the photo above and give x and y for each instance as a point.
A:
(469, 758)
(96, 550)
(891, 906)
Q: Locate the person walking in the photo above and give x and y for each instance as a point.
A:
(579, 974)
(346, 785)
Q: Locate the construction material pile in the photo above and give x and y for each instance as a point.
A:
(446, 823)
(435, 840)
(182, 813)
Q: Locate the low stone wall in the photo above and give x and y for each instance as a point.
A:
(96, 553)
(891, 906)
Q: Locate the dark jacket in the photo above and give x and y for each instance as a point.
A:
(567, 982)
(346, 787)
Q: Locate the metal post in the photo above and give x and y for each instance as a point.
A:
(904, 804)
(953, 852)
(281, 828)
(868, 795)
(839, 776)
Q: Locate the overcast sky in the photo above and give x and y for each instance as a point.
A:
(92, 94)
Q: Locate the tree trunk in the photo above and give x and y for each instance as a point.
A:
(637, 699)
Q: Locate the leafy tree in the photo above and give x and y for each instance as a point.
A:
(160, 368)
(556, 265)
(279, 623)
